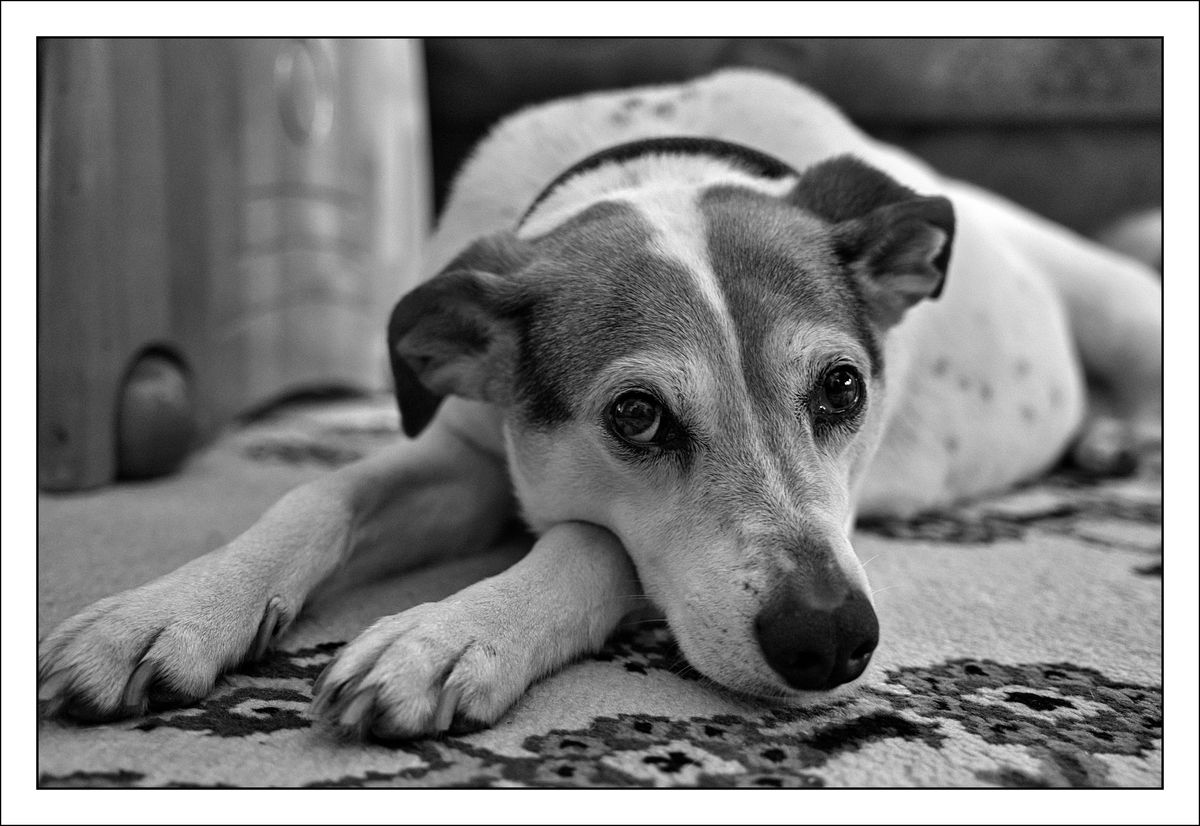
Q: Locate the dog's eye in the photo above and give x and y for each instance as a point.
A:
(839, 392)
(636, 417)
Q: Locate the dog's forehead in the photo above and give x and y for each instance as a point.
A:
(779, 278)
(712, 273)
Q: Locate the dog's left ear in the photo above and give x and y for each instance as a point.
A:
(895, 242)
(457, 333)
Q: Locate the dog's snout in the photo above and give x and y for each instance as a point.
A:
(816, 643)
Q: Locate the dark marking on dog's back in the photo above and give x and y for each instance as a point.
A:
(742, 157)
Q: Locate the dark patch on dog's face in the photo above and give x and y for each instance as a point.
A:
(775, 264)
(602, 294)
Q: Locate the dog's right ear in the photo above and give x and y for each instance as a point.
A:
(457, 333)
(894, 241)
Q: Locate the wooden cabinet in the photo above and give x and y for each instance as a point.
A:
(245, 211)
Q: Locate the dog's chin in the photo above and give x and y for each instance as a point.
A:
(779, 693)
(796, 698)
(745, 684)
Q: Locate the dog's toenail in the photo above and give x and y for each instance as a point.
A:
(52, 686)
(355, 714)
(463, 724)
(272, 616)
(447, 706)
(133, 699)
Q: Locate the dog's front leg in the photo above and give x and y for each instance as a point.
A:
(166, 642)
(460, 663)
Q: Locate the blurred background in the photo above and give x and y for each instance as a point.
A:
(227, 223)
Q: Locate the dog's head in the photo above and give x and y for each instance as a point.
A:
(698, 369)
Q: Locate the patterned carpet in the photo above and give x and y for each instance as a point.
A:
(1021, 647)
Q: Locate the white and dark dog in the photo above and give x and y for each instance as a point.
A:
(681, 330)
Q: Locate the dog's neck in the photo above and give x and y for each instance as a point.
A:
(631, 170)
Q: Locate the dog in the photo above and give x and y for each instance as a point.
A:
(689, 334)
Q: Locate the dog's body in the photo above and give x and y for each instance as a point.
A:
(690, 364)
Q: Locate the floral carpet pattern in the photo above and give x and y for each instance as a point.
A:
(1021, 648)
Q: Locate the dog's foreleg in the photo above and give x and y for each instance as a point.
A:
(167, 641)
(460, 663)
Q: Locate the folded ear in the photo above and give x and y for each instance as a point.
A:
(895, 243)
(457, 334)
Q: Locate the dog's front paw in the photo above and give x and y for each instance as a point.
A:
(163, 644)
(434, 668)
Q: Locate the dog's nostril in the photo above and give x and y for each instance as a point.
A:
(858, 661)
(864, 651)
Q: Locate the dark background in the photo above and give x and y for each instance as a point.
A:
(1069, 126)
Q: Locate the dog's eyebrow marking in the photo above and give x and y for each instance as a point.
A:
(815, 344)
(683, 379)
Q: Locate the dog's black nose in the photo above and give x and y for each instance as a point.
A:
(817, 638)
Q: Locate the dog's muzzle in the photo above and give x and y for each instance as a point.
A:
(817, 636)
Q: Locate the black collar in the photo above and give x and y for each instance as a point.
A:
(750, 160)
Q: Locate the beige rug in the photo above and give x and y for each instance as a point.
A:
(1021, 646)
